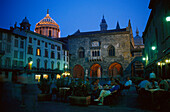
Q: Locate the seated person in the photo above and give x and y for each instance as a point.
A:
(94, 89)
(152, 78)
(97, 81)
(128, 83)
(164, 85)
(105, 93)
(109, 82)
(145, 84)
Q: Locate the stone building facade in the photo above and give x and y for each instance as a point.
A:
(101, 54)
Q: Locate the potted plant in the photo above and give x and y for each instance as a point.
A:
(80, 94)
(44, 86)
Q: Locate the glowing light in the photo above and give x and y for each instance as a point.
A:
(143, 59)
(166, 61)
(45, 76)
(159, 63)
(58, 76)
(153, 47)
(37, 77)
(163, 63)
(66, 66)
(38, 52)
(168, 18)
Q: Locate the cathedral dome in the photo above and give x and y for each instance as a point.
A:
(138, 40)
(48, 27)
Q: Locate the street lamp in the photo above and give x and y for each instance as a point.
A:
(159, 63)
(143, 59)
(153, 47)
(168, 18)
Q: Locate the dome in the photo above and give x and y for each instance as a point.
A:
(138, 40)
(25, 20)
(47, 21)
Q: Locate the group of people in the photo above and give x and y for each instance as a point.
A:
(151, 83)
(99, 92)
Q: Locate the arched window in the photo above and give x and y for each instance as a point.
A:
(38, 63)
(81, 52)
(52, 65)
(58, 65)
(45, 64)
(111, 51)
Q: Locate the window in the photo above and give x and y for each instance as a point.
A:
(52, 54)
(30, 49)
(7, 62)
(67, 59)
(38, 63)
(21, 55)
(95, 53)
(21, 44)
(15, 54)
(8, 48)
(64, 57)
(52, 65)
(81, 52)
(58, 57)
(111, 50)
(21, 63)
(38, 42)
(16, 43)
(0, 45)
(30, 40)
(38, 52)
(49, 33)
(9, 38)
(46, 45)
(52, 46)
(58, 48)
(58, 65)
(45, 64)
(15, 62)
(46, 52)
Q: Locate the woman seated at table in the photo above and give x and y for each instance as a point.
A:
(105, 93)
(163, 84)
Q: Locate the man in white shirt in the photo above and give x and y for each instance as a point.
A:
(128, 83)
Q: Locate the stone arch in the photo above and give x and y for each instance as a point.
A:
(78, 71)
(115, 69)
(96, 71)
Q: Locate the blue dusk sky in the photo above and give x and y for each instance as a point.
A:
(72, 15)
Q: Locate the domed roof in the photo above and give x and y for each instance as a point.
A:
(25, 20)
(138, 40)
(47, 21)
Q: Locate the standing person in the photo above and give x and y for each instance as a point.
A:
(53, 88)
(152, 78)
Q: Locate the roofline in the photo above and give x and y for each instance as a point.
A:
(45, 37)
(9, 31)
(104, 33)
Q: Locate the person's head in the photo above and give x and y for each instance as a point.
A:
(128, 78)
(111, 79)
(97, 80)
(87, 79)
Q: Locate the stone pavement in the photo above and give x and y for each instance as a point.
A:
(127, 103)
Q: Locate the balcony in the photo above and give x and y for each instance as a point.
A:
(97, 58)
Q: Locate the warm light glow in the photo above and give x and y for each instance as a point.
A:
(153, 47)
(45, 76)
(159, 63)
(66, 74)
(166, 61)
(38, 52)
(168, 18)
(31, 62)
(163, 63)
(37, 77)
(143, 59)
(58, 76)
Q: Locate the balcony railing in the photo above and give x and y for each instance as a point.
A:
(97, 58)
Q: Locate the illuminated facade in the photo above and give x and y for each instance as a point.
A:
(101, 54)
(48, 27)
(156, 39)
